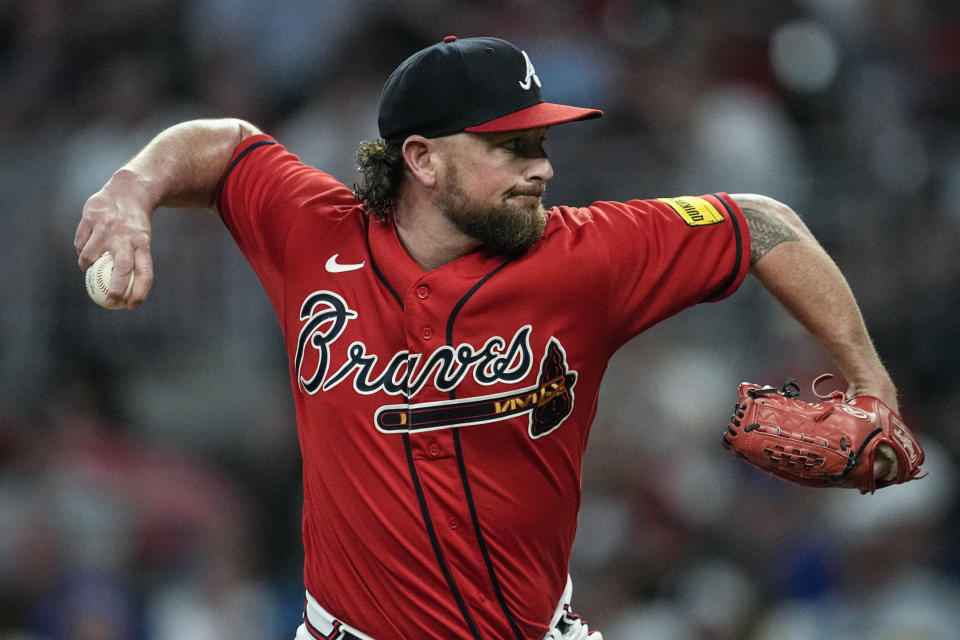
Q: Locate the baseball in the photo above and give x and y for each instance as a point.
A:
(98, 281)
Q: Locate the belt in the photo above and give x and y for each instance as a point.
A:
(338, 632)
(320, 625)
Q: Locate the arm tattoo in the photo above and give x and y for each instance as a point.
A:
(766, 232)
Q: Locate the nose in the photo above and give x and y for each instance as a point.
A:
(540, 170)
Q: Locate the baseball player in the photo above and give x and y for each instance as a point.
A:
(447, 335)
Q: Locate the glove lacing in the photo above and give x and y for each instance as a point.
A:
(791, 389)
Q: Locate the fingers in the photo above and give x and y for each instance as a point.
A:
(115, 224)
(80, 241)
(132, 277)
(89, 243)
(123, 271)
(143, 277)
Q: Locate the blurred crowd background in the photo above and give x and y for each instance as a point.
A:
(149, 471)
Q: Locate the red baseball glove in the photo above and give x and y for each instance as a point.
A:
(821, 444)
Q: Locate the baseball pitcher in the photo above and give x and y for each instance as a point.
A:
(447, 335)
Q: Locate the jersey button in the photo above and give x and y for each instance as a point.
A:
(434, 449)
(454, 523)
(423, 292)
(427, 333)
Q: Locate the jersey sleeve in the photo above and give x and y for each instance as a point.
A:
(668, 254)
(260, 196)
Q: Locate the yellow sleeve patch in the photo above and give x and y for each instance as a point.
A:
(696, 212)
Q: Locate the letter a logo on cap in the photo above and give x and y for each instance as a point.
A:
(525, 84)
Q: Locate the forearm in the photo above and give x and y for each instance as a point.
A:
(179, 168)
(182, 165)
(789, 262)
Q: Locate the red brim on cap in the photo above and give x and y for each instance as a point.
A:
(543, 114)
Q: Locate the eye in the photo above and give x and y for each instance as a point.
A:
(525, 147)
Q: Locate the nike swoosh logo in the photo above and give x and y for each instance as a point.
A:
(335, 267)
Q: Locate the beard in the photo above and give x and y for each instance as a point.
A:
(503, 227)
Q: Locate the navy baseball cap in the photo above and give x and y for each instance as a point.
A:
(468, 84)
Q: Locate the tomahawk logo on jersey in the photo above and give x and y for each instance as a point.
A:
(549, 401)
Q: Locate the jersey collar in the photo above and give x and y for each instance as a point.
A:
(402, 272)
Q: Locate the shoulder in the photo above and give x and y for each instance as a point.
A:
(266, 163)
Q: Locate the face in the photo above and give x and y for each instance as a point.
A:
(493, 188)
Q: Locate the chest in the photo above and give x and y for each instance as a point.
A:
(480, 340)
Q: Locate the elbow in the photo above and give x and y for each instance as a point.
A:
(228, 131)
(766, 208)
(245, 129)
(771, 223)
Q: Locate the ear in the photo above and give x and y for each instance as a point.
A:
(422, 159)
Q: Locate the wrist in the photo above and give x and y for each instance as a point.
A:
(882, 389)
(129, 183)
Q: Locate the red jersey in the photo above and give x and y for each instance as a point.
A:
(443, 415)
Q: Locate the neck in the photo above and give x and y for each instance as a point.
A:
(427, 236)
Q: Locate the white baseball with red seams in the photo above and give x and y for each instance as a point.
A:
(98, 277)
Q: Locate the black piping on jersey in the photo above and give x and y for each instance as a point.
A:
(464, 480)
(373, 265)
(738, 235)
(241, 156)
(418, 488)
(457, 307)
(435, 541)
